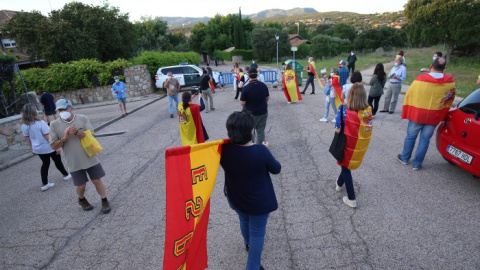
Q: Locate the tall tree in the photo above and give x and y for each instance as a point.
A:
(264, 44)
(454, 23)
(151, 35)
(342, 30)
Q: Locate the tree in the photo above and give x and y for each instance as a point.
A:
(343, 31)
(382, 36)
(151, 35)
(454, 23)
(300, 28)
(321, 29)
(323, 46)
(264, 44)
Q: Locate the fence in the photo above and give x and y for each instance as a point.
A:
(227, 78)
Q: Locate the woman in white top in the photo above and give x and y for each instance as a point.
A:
(356, 77)
(36, 133)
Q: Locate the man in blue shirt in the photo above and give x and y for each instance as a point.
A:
(119, 89)
(343, 73)
(397, 75)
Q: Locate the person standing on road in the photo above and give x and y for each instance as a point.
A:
(311, 75)
(240, 82)
(397, 75)
(190, 122)
(329, 99)
(290, 85)
(253, 65)
(342, 73)
(254, 100)
(248, 185)
(173, 88)
(426, 104)
(337, 89)
(48, 103)
(206, 91)
(357, 120)
(377, 83)
(66, 132)
(119, 89)
(212, 80)
(352, 58)
(36, 133)
(356, 77)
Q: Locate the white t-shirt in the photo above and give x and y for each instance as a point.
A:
(36, 131)
(345, 89)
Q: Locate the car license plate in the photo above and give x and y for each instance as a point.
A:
(459, 154)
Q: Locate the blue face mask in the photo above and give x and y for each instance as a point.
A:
(396, 64)
(434, 58)
(117, 80)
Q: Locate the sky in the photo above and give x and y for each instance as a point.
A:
(208, 8)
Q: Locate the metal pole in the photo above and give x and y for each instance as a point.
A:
(277, 60)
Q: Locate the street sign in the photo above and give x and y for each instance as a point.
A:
(294, 49)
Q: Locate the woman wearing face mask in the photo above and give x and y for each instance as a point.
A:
(190, 122)
(36, 133)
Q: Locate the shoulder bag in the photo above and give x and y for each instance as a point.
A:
(337, 148)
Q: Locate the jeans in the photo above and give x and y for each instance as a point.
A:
(373, 102)
(426, 133)
(393, 90)
(309, 81)
(346, 177)
(253, 228)
(327, 106)
(208, 99)
(57, 159)
(170, 103)
(259, 124)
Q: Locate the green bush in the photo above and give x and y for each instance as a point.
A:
(304, 50)
(154, 60)
(245, 54)
(223, 55)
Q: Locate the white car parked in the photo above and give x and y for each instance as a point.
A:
(187, 75)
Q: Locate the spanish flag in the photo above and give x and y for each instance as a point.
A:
(358, 131)
(290, 86)
(338, 91)
(428, 100)
(190, 123)
(191, 172)
(211, 85)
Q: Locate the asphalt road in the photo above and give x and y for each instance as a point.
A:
(405, 219)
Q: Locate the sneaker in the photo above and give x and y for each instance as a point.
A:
(212, 109)
(337, 187)
(383, 111)
(324, 120)
(288, 102)
(351, 203)
(390, 112)
(86, 206)
(312, 93)
(67, 177)
(171, 115)
(105, 207)
(333, 120)
(417, 168)
(399, 157)
(47, 186)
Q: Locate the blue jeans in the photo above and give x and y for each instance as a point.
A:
(327, 106)
(253, 228)
(170, 103)
(426, 133)
(346, 177)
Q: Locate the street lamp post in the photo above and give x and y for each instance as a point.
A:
(277, 37)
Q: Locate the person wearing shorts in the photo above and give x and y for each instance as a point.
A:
(119, 89)
(66, 132)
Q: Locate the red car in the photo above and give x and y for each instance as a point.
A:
(458, 137)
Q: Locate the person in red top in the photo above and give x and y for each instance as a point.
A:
(311, 74)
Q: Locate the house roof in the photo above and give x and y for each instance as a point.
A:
(6, 15)
(296, 40)
(229, 49)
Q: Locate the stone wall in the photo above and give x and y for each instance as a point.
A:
(137, 78)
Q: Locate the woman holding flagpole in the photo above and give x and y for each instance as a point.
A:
(248, 185)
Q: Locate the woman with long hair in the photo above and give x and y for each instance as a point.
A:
(190, 122)
(290, 85)
(377, 83)
(357, 122)
(36, 133)
(248, 185)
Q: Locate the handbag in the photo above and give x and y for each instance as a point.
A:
(337, 148)
(90, 144)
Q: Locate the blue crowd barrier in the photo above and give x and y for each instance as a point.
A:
(270, 76)
(225, 78)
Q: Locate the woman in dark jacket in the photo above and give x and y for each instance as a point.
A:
(248, 185)
(377, 83)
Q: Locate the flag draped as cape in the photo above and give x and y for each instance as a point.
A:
(191, 172)
(190, 123)
(428, 100)
(358, 131)
(290, 86)
(338, 91)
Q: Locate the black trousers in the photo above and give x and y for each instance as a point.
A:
(309, 81)
(351, 68)
(374, 101)
(57, 159)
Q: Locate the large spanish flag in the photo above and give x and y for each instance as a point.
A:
(190, 124)
(428, 99)
(190, 177)
(358, 131)
(290, 86)
(338, 91)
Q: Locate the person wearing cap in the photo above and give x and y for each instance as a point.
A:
(311, 75)
(66, 133)
(343, 72)
(253, 65)
(254, 100)
(397, 75)
(119, 89)
(173, 88)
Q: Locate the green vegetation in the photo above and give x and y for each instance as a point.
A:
(154, 60)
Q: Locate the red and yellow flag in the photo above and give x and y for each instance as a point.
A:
(190, 124)
(290, 86)
(211, 85)
(358, 131)
(428, 99)
(338, 91)
(191, 172)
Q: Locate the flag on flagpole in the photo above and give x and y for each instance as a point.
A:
(191, 172)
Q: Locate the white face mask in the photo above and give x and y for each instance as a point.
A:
(65, 115)
(433, 58)
(332, 74)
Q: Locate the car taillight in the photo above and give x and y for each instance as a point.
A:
(156, 76)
